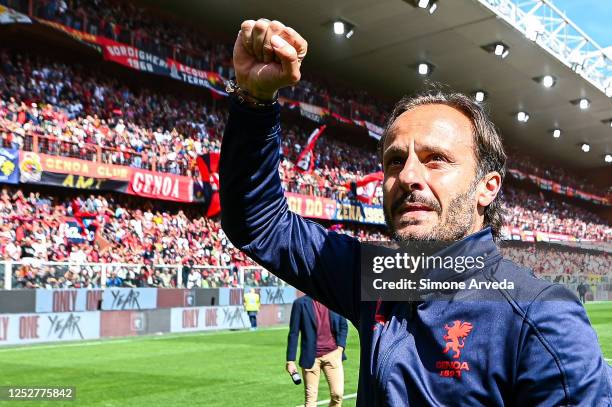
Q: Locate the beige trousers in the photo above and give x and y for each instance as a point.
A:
(331, 365)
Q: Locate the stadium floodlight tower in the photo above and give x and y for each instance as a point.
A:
(547, 26)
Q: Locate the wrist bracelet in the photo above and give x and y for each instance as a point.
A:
(245, 98)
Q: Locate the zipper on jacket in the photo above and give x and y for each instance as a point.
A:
(382, 366)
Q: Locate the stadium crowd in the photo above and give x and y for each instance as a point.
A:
(558, 262)
(164, 36)
(148, 244)
(168, 38)
(75, 112)
(36, 228)
(530, 211)
(78, 112)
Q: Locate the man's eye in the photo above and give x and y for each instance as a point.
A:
(437, 157)
(394, 161)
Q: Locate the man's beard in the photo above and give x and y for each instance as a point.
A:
(457, 222)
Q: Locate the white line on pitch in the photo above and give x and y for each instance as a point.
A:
(113, 341)
(348, 396)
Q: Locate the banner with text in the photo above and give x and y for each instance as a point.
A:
(330, 209)
(129, 299)
(44, 169)
(208, 318)
(140, 60)
(158, 185)
(267, 295)
(50, 327)
(549, 185)
(69, 300)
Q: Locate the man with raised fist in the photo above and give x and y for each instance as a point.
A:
(443, 164)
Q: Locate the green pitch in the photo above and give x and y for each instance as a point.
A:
(206, 369)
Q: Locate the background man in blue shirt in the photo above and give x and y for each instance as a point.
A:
(321, 349)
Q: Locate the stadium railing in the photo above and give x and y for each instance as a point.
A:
(37, 143)
(46, 274)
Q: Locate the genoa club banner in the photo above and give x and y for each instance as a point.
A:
(158, 185)
(44, 169)
(33, 163)
(68, 172)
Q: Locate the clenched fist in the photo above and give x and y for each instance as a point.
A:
(267, 57)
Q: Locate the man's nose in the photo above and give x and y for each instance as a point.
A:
(412, 177)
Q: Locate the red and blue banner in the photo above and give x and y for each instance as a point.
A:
(549, 185)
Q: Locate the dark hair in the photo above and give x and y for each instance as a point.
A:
(490, 155)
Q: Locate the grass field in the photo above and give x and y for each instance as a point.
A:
(206, 369)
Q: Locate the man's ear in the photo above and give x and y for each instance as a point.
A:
(488, 188)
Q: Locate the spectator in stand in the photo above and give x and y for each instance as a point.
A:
(114, 281)
(194, 280)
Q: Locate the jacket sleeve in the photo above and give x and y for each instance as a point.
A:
(342, 332)
(256, 218)
(560, 360)
(294, 332)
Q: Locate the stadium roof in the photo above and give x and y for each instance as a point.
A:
(392, 37)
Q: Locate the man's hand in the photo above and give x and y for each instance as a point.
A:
(291, 367)
(267, 57)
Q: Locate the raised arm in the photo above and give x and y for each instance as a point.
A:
(255, 215)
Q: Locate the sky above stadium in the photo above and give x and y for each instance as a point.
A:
(592, 16)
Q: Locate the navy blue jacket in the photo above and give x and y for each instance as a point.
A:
(303, 320)
(530, 346)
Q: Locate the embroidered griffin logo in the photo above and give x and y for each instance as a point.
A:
(459, 330)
